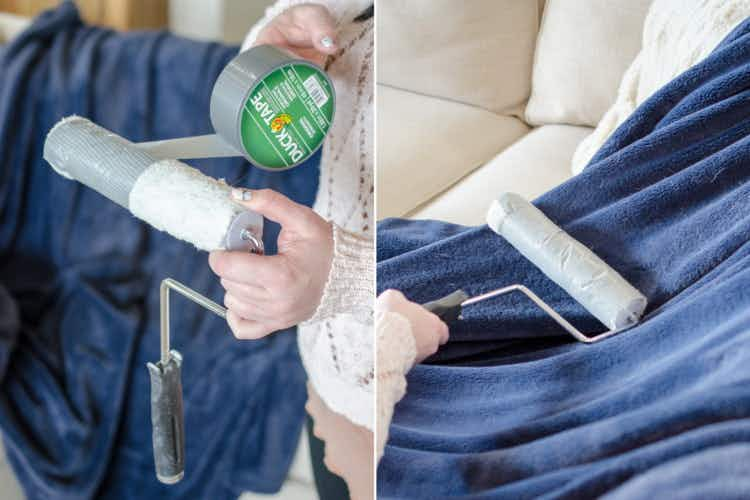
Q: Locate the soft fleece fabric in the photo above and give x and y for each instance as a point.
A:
(79, 281)
(510, 409)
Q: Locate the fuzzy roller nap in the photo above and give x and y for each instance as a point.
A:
(567, 262)
(168, 194)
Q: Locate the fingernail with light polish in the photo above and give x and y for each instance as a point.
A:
(326, 42)
(241, 194)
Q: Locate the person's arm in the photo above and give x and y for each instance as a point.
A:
(406, 334)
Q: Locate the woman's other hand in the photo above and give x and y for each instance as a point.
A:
(308, 30)
(266, 293)
(428, 330)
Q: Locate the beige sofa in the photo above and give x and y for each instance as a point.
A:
(484, 96)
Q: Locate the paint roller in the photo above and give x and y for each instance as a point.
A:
(266, 105)
(172, 197)
(601, 290)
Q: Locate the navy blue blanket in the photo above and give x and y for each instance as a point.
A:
(513, 408)
(79, 278)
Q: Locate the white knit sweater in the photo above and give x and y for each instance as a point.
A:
(337, 343)
(676, 35)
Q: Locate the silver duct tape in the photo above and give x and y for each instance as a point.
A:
(107, 163)
(199, 146)
(567, 262)
(235, 84)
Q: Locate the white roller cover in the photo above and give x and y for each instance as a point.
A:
(567, 262)
(178, 199)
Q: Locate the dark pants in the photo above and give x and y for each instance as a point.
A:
(329, 485)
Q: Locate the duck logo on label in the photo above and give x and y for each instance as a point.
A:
(278, 123)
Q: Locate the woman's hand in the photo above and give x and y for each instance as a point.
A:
(268, 293)
(349, 447)
(308, 30)
(429, 331)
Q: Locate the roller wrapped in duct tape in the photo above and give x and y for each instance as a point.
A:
(567, 262)
(168, 194)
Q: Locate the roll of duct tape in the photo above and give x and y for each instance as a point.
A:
(272, 107)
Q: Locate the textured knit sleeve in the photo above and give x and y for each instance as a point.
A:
(343, 11)
(397, 351)
(350, 288)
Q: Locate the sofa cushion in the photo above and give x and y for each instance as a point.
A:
(535, 164)
(583, 49)
(477, 53)
(426, 144)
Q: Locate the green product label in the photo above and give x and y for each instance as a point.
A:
(287, 116)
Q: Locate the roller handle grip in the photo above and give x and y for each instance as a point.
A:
(167, 420)
(447, 308)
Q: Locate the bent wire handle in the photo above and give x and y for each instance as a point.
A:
(547, 309)
(166, 285)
